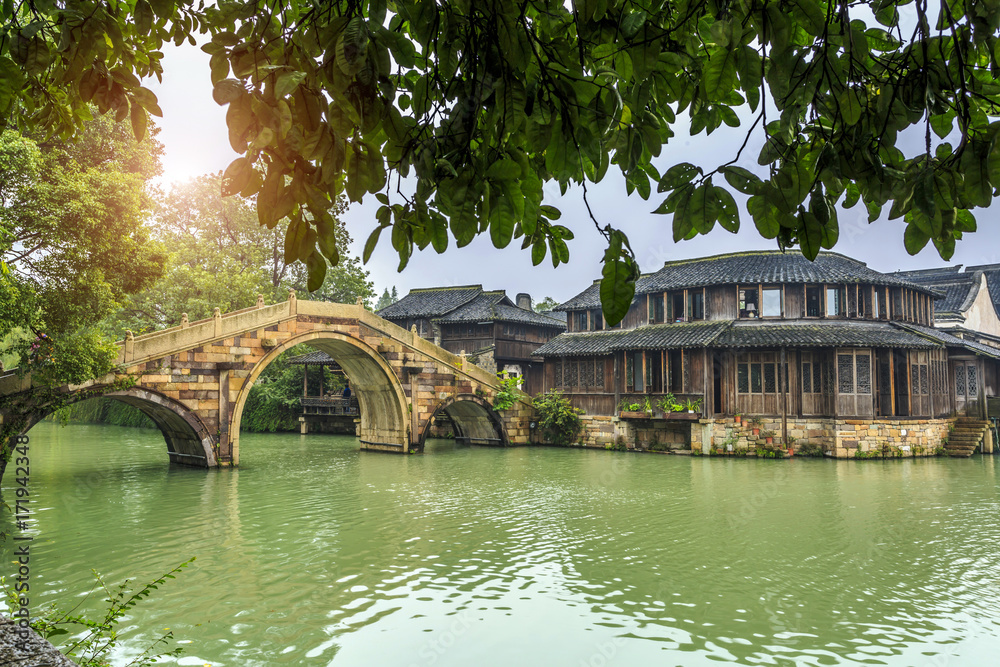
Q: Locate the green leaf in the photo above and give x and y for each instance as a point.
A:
(316, 267)
(719, 77)
(678, 175)
(139, 119)
(226, 91)
(617, 279)
(287, 83)
(741, 179)
(914, 240)
(850, 106)
(371, 243)
(295, 237)
(504, 170)
(237, 176)
(729, 213)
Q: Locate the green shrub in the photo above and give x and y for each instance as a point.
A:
(559, 420)
(508, 393)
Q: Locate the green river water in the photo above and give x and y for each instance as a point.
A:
(313, 553)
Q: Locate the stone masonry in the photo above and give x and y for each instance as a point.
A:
(193, 379)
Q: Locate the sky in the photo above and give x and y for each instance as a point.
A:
(193, 131)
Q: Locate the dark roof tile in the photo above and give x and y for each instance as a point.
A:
(497, 307)
(819, 334)
(958, 290)
(945, 338)
(758, 266)
(431, 302)
(650, 337)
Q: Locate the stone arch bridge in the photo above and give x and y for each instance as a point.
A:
(193, 381)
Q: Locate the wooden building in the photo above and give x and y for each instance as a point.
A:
(495, 332)
(326, 410)
(773, 334)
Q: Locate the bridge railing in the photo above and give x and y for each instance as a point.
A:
(161, 343)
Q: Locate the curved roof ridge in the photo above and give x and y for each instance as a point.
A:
(747, 253)
(970, 297)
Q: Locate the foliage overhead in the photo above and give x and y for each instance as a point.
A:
(479, 104)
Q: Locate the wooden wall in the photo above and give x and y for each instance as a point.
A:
(720, 303)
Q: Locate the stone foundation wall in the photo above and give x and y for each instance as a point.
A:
(840, 438)
(638, 434)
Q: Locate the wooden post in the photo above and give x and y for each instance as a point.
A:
(783, 383)
(618, 386)
(305, 381)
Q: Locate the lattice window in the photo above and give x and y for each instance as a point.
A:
(806, 377)
(960, 381)
(769, 384)
(829, 379)
(628, 371)
(587, 373)
(571, 374)
(864, 368)
(925, 387)
(755, 385)
(818, 387)
(599, 372)
(845, 368)
(973, 382)
(914, 378)
(559, 373)
(687, 373)
(743, 379)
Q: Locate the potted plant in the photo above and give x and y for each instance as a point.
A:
(739, 418)
(666, 403)
(768, 437)
(692, 406)
(790, 444)
(630, 408)
(755, 424)
(647, 406)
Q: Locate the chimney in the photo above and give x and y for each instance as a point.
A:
(523, 301)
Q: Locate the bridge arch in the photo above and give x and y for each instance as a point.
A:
(473, 418)
(384, 408)
(188, 440)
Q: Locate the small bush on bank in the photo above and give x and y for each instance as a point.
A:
(559, 420)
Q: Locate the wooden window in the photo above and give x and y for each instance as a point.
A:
(772, 303)
(696, 304)
(655, 308)
(629, 371)
(897, 304)
(749, 302)
(813, 294)
(677, 307)
(760, 373)
(834, 302)
(596, 320)
(639, 373)
(854, 372)
(675, 369)
(865, 302)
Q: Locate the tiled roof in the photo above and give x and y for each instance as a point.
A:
(650, 337)
(313, 359)
(946, 338)
(431, 301)
(496, 307)
(958, 289)
(758, 266)
(819, 334)
(992, 273)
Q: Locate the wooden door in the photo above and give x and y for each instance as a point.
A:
(966, 386)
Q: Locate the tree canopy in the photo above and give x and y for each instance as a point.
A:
(73, 244)
(220, 257)
(455, 113)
